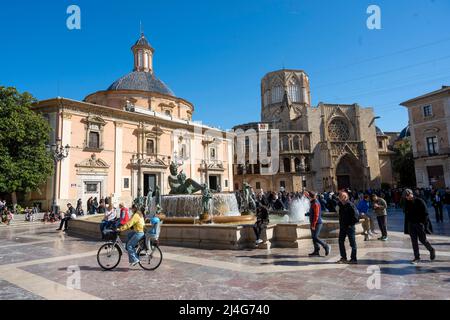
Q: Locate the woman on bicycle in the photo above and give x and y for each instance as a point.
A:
(137, 222)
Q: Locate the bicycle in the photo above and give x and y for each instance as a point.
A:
(148, 251)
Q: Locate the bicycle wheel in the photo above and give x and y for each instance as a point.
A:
(150, 259)
(109, 255)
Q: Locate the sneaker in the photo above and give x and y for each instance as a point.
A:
(366, 238)
(259, 241)
(433, 255)
(353, 261)
(327, 250)
(132, 264)
(385, 239)
(314, 254)
(59, 229)
(380, 238)
(342, 261)
(415, 261)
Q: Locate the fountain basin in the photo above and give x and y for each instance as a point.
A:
(223, 236)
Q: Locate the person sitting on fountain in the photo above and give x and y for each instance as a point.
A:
(315, 220)
(262, 220)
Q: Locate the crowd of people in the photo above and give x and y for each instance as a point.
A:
(358, 207)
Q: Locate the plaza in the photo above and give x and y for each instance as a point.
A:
(37, 262)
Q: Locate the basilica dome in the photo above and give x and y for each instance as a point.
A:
(142, 81)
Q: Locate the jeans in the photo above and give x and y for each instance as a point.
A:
(447, 206)
(107, 224)
(133, 239)
(382, 223)
(417, 232)
(439, 214)
(64, 222)
(347, 231)
(258, 227)
(317, 242)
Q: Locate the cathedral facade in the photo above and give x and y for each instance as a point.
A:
(324, 148)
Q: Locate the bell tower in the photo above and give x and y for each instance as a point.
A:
(143, 55)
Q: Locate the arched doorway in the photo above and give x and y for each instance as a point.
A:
(349, 173)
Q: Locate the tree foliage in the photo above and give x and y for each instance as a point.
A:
(25, 162)
(404, 164)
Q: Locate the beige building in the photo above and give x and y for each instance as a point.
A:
(123, 139)
(325, 147)
(429, 126)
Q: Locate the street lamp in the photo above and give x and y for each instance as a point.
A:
(58, 152)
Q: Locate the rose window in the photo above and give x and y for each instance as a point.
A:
(338, 131)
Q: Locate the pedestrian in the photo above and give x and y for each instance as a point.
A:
(67, 217)
(437, 203)
(262, 220)
(363, 209)
(380, 208)
(348, 217)
(315, 221)
(416, 222)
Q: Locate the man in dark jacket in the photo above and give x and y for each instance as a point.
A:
(416, 221)
(348, 217)
(262, 220)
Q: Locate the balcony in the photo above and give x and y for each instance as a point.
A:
(425, 154)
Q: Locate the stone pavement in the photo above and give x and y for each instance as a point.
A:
(37, 262)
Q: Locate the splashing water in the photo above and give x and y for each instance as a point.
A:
(299, 208)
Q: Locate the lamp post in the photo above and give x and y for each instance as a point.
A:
(58, 152)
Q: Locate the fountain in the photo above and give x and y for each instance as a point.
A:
(298, 210)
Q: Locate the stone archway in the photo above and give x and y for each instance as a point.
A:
(349, 173)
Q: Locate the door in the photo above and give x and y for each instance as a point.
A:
(436, 177)
(149, 182)
(214, 183)
(343, 182)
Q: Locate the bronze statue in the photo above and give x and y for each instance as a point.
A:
(179, 184)
(206, 199)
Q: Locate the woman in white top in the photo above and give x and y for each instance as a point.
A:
(109, 218)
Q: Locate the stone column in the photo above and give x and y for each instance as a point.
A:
(292, 165)
(65, 163)
(118, 160)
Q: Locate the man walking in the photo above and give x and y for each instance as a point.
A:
(416, 220)
(380, 209)
(348, 217)
(315, 220)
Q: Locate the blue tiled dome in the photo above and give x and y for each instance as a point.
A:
(143, 81)
(405, 133)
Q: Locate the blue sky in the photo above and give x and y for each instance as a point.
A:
(214, 53)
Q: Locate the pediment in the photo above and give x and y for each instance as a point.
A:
(93, 162)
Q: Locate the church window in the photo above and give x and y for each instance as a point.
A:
(150, 146)
(285, 143)
(277, 94)
(294, 91)
(212, 153)
(94, 133)
(338, 130)
(296, 143)
(94, 140)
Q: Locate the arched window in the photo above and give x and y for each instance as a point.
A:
(296, 143)
(168, 113)
(140, 59)
(294, 91)
(285, 143)
(277, 94)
